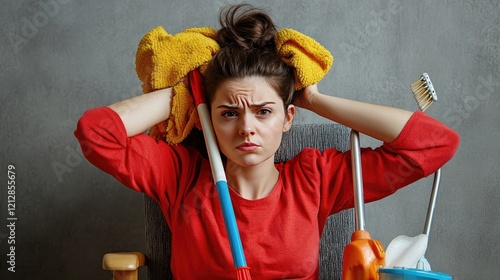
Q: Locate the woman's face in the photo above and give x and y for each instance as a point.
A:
(249, 119)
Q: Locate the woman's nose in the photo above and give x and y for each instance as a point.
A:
(247, 127)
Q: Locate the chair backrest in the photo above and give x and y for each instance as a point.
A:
(338, 229)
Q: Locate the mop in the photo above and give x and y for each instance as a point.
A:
(242, 270)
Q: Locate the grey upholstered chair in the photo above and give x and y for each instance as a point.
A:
(336, 235)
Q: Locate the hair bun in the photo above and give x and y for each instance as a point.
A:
(246, 27)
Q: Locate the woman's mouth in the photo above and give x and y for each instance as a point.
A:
(247, 147)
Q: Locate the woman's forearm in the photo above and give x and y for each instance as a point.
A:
(141, 112)
(380, 122)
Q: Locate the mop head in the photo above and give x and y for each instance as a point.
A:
(162, 60)
(404, 251)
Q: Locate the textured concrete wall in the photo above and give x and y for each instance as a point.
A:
(60, 57)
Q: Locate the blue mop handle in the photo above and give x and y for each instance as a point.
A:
(231, 226)
(217, 170)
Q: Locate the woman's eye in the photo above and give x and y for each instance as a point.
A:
(229, 114)
(264, 112)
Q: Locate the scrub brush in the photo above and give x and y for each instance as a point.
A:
(423, 92)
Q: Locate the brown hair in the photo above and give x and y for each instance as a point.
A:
(247, 49)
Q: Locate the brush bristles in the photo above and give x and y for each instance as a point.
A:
(423, 92)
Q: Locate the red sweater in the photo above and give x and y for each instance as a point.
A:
(281, 232)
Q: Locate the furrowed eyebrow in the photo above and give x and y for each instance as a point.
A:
(228, 106)
(256, 105)
(262, 104)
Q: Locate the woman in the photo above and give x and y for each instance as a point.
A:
(281, 209)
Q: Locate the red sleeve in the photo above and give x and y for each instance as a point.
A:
(138, 162)
(423, 146)
(427, 142)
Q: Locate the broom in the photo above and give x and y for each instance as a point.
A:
(196, 83)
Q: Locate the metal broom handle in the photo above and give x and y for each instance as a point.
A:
(432, 202)
(357, 177)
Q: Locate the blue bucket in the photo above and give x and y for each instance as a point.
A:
(411, 274)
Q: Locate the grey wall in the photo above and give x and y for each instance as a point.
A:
(61, 57)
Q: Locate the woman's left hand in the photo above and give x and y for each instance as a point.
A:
(380, 122)
(305, 96)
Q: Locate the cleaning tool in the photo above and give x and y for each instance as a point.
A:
(309, 58)
(404, 251)
(161, 61)
(406, 255)
(424, 93)
(196, 83)
(363, 256)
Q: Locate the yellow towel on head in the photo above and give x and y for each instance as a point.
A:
(309, 58)
(162, 60)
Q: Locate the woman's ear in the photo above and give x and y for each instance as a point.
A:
(289, 114)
